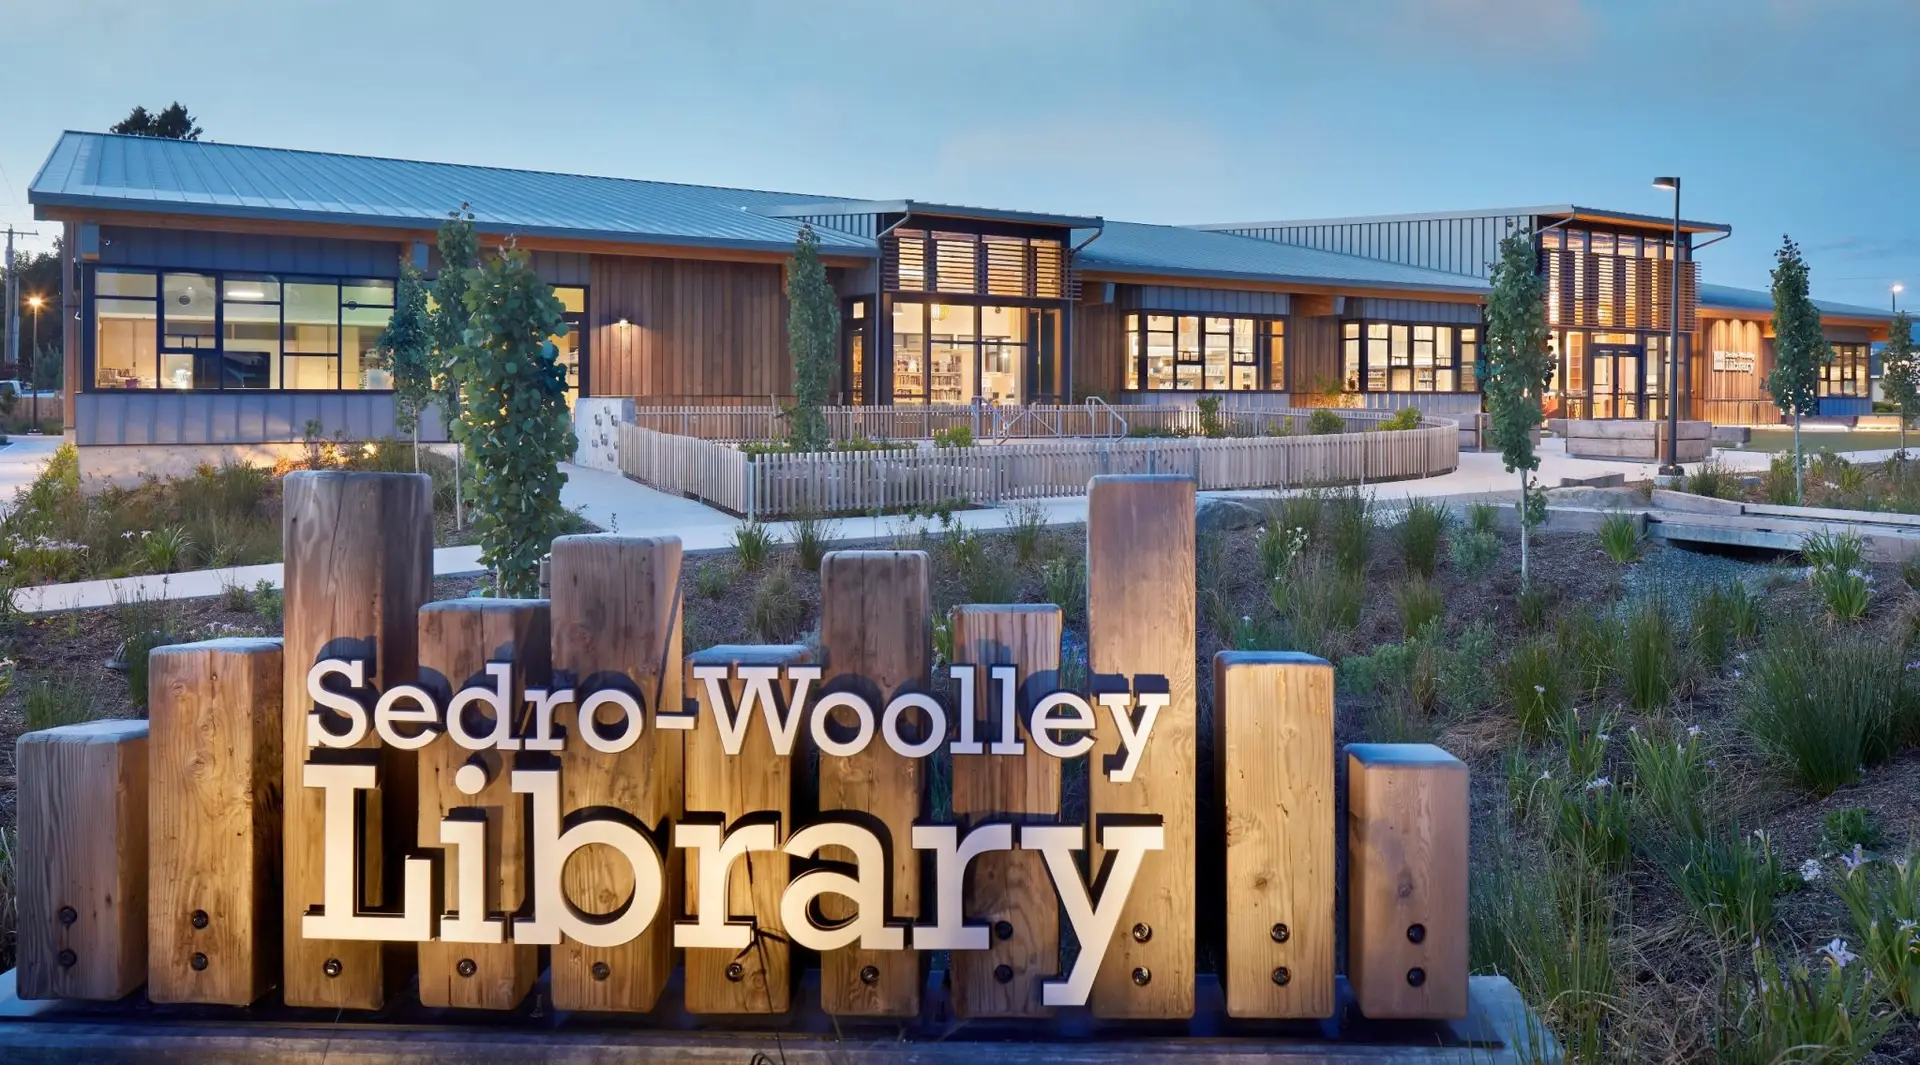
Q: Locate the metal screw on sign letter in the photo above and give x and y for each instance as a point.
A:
(601, 970)
(67, 959)
(1142, 932)
(1416, 976)
(198, 961)
(67, 915)
(1281, 933)
(1003, 929)
(466, 967)
(870, 974)
(736, 972)
(1003, 973)
(199, 918)
(1416, 933)
(1142, 976)
(332, 968)
(1283, 976)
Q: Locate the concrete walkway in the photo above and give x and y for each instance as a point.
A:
(20, 462)
(617, 504)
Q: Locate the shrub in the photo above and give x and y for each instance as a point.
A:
(1883, 898)
(1721, 615)
(1534, 603)
(752, 543)
(957, 436)
(1585, 748)
(1323, 422)
(1278, 548)
(1535, 685)
(776, 612)
(1473, 551)
(1794, 1014)
(1779, 482)
(1029, 525)
(1671, 779)
(1843, 830)
(1483, 517)
(235, 597)
(167, 550)
(1620, 536)
(1647, 663)
(9, 894)
(1594, 824)
(1421, 601)
(1211, 424)
(1910, 571)
(1302, 512)
(1351, 530)
(1466, 676)
(1319, 603)
(1823, 709)
(1729, 881)
(52, 703)
(1713, 479)
(269, 602)
(1421, 528)
(1589, 641)
(1063, 582)
(986, 578)
(811, 537)
(1403, 419)
(712, 580)
(1829, 550)
(1846, 593)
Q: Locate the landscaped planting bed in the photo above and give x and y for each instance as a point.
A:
(1674, 755)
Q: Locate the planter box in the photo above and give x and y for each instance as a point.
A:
(1643, 441)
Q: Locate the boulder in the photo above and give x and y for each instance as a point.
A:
(1228, 515)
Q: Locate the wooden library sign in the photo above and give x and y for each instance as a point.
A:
(468, 793)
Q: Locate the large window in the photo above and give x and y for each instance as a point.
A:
(956, 353)
(199, 331)
(1205, 353)
(1409, 357)
(1846, 375)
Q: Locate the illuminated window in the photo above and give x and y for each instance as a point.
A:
(1204, 353)
(1409, 357)
(1847, 374)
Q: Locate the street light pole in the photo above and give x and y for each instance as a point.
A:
(1898, 288)
(35, 302)
(1671, 468)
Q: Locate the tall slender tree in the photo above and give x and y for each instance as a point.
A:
(459, 268)
(813, 340)
(1800, 348)
(514, 418)
(172, 123)
(1515, 367)
(405, 350)
(1900, 373)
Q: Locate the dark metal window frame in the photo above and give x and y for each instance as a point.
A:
(1848, 356)
(1265, 329)
(1466, 377)
(1036, 308)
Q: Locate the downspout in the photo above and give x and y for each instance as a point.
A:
(1066, 332)
(873, 314)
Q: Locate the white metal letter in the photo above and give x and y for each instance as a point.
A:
(963, 706)
(866, 889)
(1044, 723)
(713, 924)
(936, 725)
(497, 698)
(1093, 923)
(355, 670)
(553, 913)
(340, 898)
(590, 728)
(824, 709)
(949, 930)
(1133, 742)
(388, 713)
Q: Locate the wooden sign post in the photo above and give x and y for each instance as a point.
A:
(876, 626)
(459, 639)
(83, 860)
(1407, 818)
(1007, 890)
(1273, 781)
(213, 905)
(616, 627)
(756, 781)
(1141, 614)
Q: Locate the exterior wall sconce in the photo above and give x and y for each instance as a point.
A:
(622, 322)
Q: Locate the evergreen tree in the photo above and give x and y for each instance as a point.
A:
(813, 340)
(515, 418)
(405, 349)
(1514, 369)
(447, 329)
(1799, 347)
(1900, 372)
(172, 123)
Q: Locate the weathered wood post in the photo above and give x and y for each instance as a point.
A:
(82, 866)
(616, 626)
(214, 811)
(1140, 622)
(359, 564)
(1273, 782)
(459, 639)
(876, 627)
(755, 781)
(1407, 880)
(1007, 890)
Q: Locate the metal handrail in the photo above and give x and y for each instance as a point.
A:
(1095, 402)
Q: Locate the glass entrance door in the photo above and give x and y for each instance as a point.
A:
(1615, 382)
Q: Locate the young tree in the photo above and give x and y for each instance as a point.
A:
(1900, 373)
(813, 340)
(1514, 369)
(447, 328)
(515, 418)
(405, 349)
(1799, 347)
(172, 123)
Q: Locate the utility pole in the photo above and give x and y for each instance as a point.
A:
(13, 306)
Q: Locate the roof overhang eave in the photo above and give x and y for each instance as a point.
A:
(1105, 270)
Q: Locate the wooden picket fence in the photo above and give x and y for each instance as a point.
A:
(786, 485)
(920, 422)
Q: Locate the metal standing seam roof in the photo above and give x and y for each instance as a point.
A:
(1727, 298)
(104, 170)
(1134, 247)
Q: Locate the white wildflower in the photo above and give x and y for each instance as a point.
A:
(1693, 731)
(1539, 689)
(1854, 860)
(1810, 870)
(1838, 954)
(1598, 783)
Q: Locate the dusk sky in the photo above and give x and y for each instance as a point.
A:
(1790, 116)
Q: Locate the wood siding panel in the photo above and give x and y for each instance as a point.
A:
(697, 331)
(1099, 351)
(1313, 352)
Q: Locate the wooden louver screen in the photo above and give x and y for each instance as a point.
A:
(1588, 291)
(965, 264)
